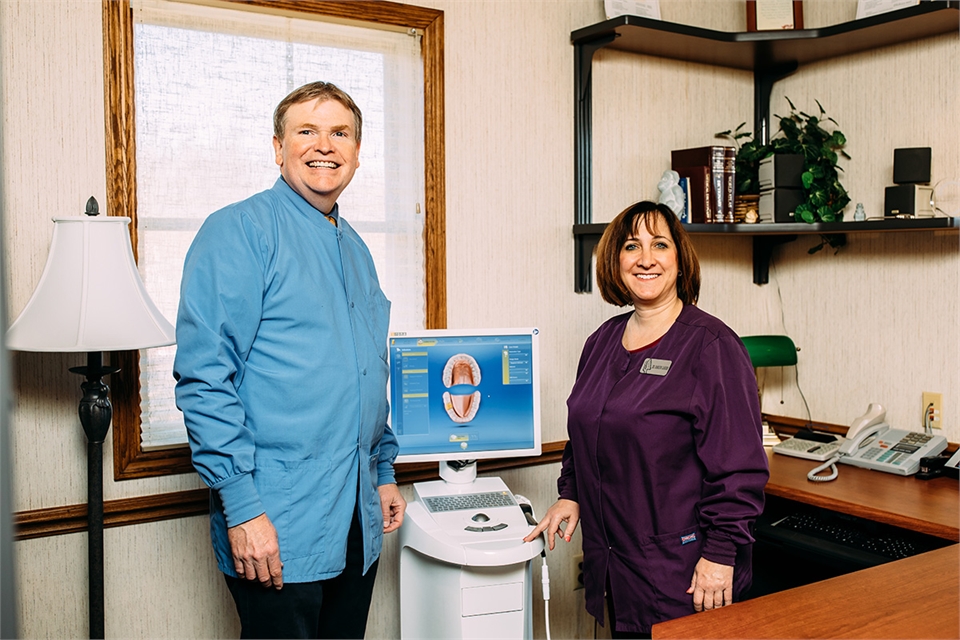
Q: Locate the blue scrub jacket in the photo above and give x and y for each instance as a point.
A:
(281, 373)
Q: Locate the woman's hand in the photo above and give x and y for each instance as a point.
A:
(562, 511)
(711, 586)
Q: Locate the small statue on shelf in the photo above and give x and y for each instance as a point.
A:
(671, 193)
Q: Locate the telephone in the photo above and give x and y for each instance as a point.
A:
(872, 444)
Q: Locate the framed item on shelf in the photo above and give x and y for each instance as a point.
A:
(867, 8)
(643, 8)
(774, 15)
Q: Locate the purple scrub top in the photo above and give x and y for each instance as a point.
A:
(666, 461)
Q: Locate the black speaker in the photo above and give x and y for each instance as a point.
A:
(911, 166)
(908, 200)
(781, 170)
(779, 205)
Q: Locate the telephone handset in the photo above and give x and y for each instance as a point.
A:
(872, 444)
(865, 429)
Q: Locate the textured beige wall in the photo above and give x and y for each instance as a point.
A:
(53, 159)
(875, 322)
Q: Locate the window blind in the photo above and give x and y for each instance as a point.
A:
(206, 83)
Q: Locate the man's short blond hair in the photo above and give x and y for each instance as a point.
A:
(315, 91)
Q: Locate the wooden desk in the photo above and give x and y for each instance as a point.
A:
(918, 598)
(927, 506)
(918, 595)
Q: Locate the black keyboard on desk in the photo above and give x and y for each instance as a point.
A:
(888, 546)
(841, 540)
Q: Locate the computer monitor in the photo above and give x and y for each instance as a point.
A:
(465, 394)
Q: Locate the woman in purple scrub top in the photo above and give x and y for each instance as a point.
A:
(664, 467)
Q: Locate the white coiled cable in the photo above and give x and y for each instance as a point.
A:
(832, 464)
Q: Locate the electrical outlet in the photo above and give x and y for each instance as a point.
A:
(577, 580)
(932, 409)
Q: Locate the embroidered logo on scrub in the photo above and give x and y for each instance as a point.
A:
(655, 367)
(461, 376)
(687, 539)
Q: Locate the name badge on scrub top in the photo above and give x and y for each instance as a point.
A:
(655, 367)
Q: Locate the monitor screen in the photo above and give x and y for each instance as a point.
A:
(465, 395)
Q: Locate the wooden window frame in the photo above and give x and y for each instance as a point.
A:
(129, 459)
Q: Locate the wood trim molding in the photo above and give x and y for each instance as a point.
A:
(435, 223)
(787, 427)
(394, 14)
(55, 521)
(119, 113)
(129, 459)
(116, 513)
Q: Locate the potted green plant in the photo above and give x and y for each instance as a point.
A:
(806, 135)
(749, 154)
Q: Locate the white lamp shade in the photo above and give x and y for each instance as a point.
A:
(90, 296)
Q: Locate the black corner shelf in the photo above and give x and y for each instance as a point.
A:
(759, 50)
(766, 237)
(770, 55)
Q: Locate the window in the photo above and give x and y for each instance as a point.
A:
(238, 65)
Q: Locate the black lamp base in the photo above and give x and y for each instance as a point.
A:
(96, 412)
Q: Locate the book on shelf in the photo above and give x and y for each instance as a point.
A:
(685, 210)
(714, 160)
(697, 191)
(729, 183)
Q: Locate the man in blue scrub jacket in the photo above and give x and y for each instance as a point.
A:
(281, 373)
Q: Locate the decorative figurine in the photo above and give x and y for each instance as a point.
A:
(671, 193)
(859, 215)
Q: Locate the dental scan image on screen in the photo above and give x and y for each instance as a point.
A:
(465, 395)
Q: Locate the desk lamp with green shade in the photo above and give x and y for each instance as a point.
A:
(770, 351)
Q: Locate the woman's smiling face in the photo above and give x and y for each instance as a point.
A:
(649, 264)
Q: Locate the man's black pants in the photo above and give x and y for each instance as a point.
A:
(334, 608)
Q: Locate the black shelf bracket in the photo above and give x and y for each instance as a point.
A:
(583, 156)
(763, 247)
(763, 81)
(584, 246)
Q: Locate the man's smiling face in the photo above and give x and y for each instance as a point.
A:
(319, 152)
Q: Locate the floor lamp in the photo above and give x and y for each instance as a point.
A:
(90, 299)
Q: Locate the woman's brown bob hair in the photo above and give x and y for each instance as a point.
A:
(609, 280)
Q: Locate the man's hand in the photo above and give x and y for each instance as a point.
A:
(256, 551)
(392, 505)
(562, 511)
(711, 585)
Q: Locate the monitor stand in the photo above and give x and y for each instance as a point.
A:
(458, 471)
